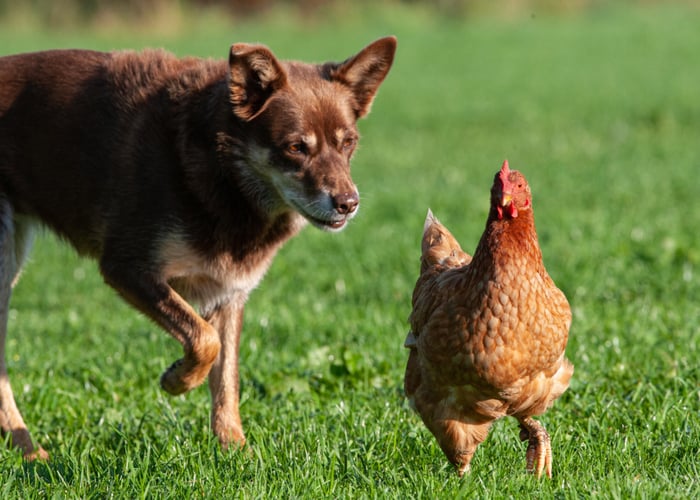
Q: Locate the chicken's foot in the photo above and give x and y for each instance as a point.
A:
(539, 448)
(463, 460)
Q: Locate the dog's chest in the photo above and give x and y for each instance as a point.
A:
(205, 280)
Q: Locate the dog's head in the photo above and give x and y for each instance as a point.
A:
(300, 122)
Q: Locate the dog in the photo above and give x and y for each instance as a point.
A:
(182, 178)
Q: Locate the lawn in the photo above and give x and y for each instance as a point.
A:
(600, 110)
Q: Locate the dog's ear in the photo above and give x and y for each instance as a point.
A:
(364, 72)
(255, 73)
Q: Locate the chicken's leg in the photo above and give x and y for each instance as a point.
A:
(539, 448)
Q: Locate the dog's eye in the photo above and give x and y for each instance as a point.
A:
(295, 148)
(349, 143)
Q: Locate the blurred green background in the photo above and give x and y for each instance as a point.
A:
(597, 102)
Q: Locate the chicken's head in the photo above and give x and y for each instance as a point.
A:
(510, 192)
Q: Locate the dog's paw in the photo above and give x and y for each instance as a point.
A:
(171, 380)
(231, 438)
(38, 453)
(236, 445)
(180, 378)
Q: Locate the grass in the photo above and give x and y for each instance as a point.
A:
(599, 110)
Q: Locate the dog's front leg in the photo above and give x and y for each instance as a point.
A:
(155, 298)
(227, 319)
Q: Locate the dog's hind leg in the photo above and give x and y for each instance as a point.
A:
(224, 386)
(16, 237)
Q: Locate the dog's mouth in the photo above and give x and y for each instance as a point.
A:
(330, 224)
(326, 225)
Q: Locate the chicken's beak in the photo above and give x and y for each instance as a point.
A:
(507, 201)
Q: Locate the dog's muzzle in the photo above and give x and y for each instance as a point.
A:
(341, 209)
(346, 203)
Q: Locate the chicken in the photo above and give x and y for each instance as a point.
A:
(488, 333)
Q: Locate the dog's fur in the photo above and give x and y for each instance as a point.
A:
(182, 177)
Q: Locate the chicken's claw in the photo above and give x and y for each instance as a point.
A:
(539, 448)
(463, 469)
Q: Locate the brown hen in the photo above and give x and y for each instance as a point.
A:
(488, 333)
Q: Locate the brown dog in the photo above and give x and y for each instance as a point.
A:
(182, 177)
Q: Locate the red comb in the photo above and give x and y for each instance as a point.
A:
(505, 171)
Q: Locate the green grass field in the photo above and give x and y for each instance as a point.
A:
(600, 110)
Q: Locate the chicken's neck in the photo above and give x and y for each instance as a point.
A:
(507, 239)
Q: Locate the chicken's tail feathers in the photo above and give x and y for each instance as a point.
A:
(439, 246)
(435, 234)
(430, 219)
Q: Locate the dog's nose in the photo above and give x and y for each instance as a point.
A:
(346, 203)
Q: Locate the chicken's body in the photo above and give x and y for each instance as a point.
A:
(488, 333)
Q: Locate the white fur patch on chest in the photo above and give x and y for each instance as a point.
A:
(207, 281)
